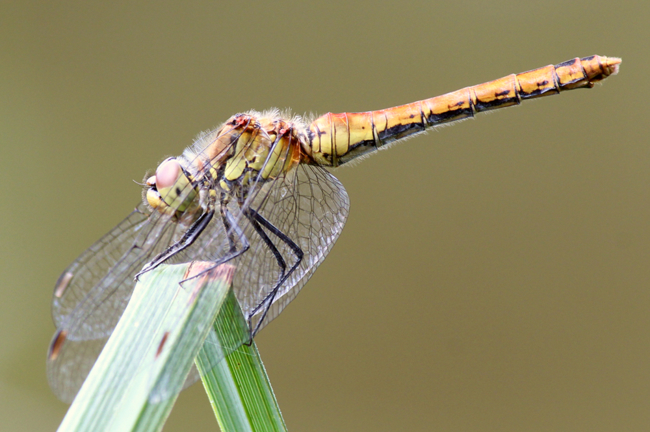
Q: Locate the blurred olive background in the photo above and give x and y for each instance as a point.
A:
(492, 276)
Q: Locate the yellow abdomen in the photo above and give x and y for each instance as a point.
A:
(339, 138)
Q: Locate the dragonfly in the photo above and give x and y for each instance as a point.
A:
(257, 193)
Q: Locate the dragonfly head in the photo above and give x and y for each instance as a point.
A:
(171, 190)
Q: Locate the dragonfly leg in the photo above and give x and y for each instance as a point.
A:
(232, 230)
(188, 238)
(265, 238)
(268, 301)
(231, 225)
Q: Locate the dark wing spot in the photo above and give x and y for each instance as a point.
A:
(62, 284)
(57, 343)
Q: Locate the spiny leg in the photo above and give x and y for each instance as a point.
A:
(188, 238)
(268, 300)
(265, 238)
(230, 224)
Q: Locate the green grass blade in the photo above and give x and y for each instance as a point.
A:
(144, 364)
(238, 388)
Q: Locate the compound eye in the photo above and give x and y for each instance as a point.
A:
(167, 173)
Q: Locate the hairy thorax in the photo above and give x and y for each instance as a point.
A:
(224, 163)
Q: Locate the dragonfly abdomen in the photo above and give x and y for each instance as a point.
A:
(339, 138)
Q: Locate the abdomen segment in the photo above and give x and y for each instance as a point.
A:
(339, 138)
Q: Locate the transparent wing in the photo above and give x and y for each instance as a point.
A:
(303, 209)
(284, 230)
(309, 206)
(276, 237)
(306, 207)
(93, 266)
(92, 293)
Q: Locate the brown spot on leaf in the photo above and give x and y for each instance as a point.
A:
(162, 344)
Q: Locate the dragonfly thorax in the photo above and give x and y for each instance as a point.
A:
(261, 148)
(247, 149)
